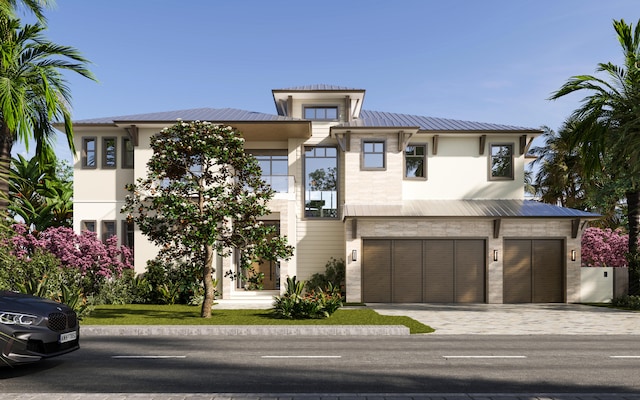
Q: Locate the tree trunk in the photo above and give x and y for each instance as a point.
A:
(6, 144)
(633, 214)
(209, 289)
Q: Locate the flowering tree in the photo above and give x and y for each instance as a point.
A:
(203, 194)
(94, 260)
(604, 248)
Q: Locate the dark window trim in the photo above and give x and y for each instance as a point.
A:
(511, 172)
(384, 155)
(424, 166)
(124, 163)
(305, 149)
(84, 222)
(321, 106)
(85, 155)
(105, 149)
(104, 231)
(127, 228)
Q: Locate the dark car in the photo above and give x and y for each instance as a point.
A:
(33, 328)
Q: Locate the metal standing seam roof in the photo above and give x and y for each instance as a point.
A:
(317, 87)
(466, 208)
(371, 119)
(197, 114)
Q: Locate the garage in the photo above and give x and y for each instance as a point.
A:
(533, 271)
(424, 270)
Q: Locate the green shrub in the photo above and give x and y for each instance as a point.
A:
(626, 301)
(295, 304)
(170, 283)
(334, 276)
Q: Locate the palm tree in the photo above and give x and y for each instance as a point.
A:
(8, 7)
(33, 91)
(609, 128)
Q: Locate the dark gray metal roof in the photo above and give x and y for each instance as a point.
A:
(466, 208)
(197, 114)
(370, 119)
(317, 87)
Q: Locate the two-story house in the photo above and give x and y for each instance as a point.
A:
(421, 209)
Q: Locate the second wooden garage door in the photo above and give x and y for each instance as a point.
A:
(424, 271)
(533, 271)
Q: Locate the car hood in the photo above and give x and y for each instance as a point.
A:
(24, 303)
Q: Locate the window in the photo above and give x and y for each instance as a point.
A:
(127, 237)
(108, 230)
(127, 153)
(109, 152)
(415, 161)
(321, 182)
(501, 161)
(275, 168)
(89, 152)
(327, 113)
(373, 155)
(88, 226)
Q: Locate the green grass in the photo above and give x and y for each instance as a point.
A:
(146, 314)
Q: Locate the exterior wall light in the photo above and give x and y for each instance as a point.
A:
(354, 255)
(495, 255)
(573, 255)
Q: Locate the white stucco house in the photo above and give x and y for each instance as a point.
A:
(421, 209)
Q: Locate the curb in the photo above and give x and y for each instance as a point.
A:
(244, 330)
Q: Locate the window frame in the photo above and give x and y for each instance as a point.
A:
(124, 163)
(270, 154)
(84, 225)
(128, 229)
(306, 149)
(363, 154)
(317, 107)
(424, 162)
(85, 152)
(105, 150)
(511, 175)
(104, 231)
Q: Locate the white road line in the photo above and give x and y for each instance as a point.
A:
(146, 357)
(489, 357)
(301, 357)
(624, 356)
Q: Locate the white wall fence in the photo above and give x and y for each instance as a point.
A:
(601, 284)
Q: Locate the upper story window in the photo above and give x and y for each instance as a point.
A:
(89, 148)
(373, 155)
(275, 168)
(109, 155)
(127, 153)
(501, 162)
(322, 113)
(321, 182)
(415, 161)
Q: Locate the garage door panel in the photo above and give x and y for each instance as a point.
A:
(547, 271)
(470, 271)
(407, 271)
(376, 276)
(517, 271)
(439, 263)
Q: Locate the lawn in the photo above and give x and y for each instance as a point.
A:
(146, 314)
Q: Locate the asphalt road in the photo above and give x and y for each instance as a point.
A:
(411, 364)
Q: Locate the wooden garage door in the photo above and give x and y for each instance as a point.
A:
(533, 271)
(430, 271)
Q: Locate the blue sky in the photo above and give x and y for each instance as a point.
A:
(490, 61)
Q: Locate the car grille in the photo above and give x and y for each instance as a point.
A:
(59, 322)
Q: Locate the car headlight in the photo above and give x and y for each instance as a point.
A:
(12, 318)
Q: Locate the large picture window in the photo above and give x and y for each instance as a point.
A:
(501, 161)
(415, 161)
(321, 182)
(275, 168)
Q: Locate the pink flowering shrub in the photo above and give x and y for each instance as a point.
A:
(604, 248)
(94, 260)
